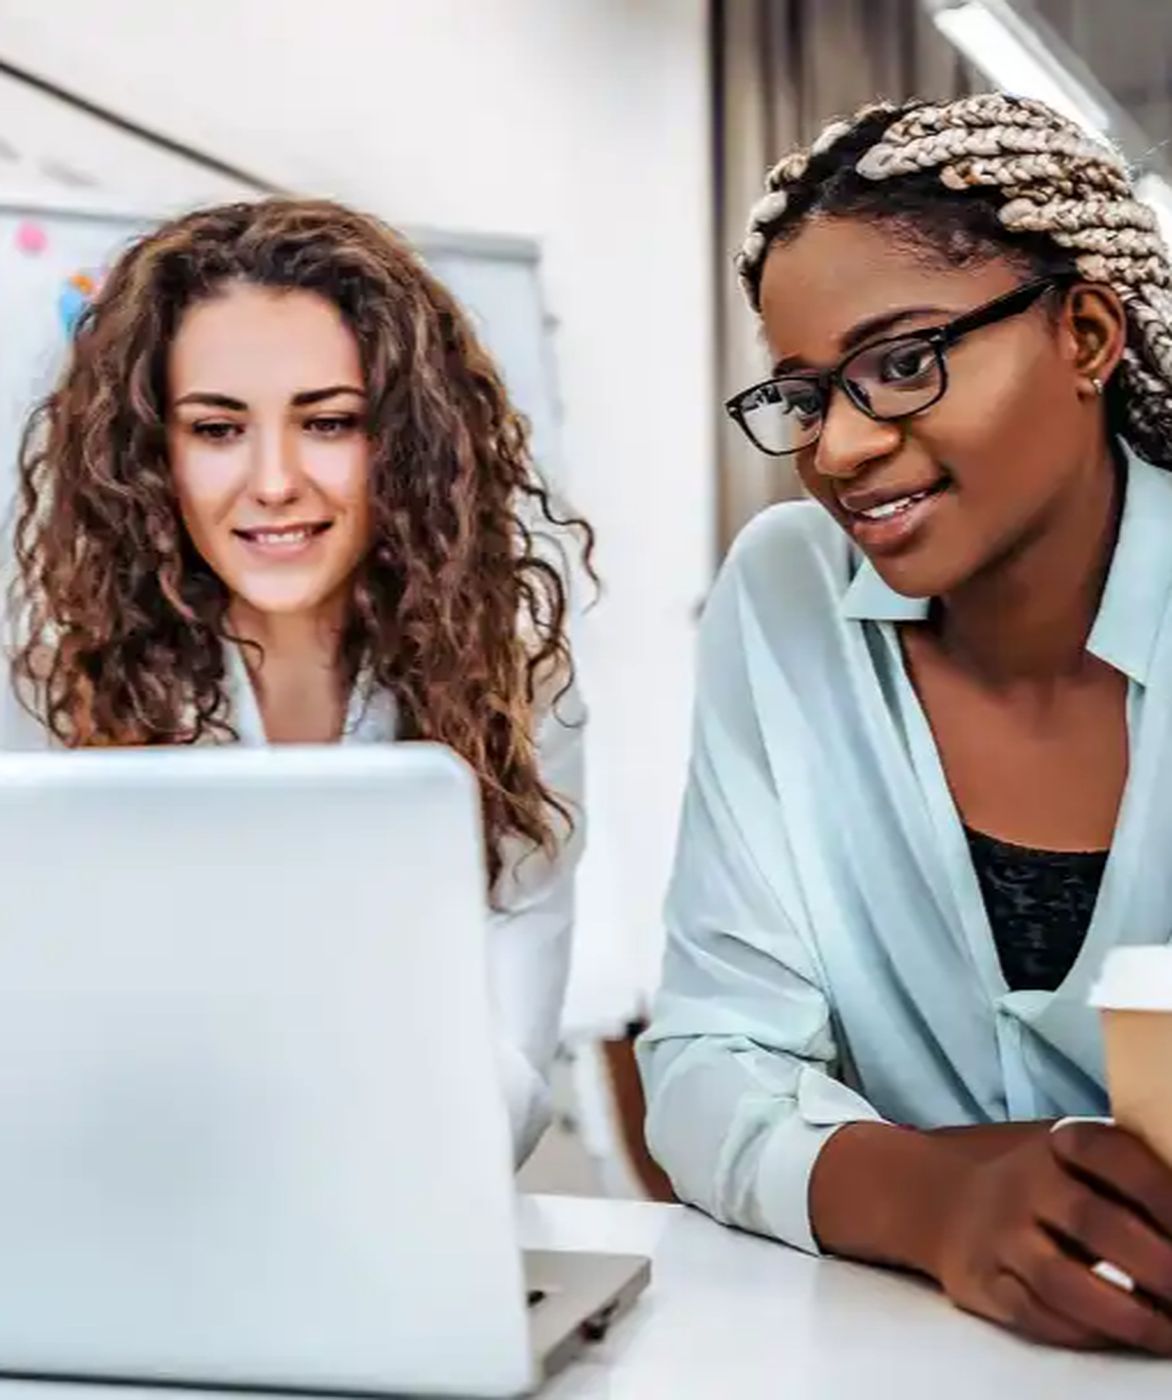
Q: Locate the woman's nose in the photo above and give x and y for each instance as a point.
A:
(850, 439)
(275, 475)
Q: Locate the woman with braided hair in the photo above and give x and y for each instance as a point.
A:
(931, 783)
(280, 495)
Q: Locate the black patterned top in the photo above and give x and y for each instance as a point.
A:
(1039, 905)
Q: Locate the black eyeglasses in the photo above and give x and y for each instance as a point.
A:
(889, 379)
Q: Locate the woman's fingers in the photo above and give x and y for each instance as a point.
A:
(1095, 1227)
(1120, 1165)
(1066, 1286)
(1049, 1238)
(1020, 1309)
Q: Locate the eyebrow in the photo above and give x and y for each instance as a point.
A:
(300, 400)
(311, 396)
(868, 329)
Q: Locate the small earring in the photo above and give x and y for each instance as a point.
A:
(1096, 384)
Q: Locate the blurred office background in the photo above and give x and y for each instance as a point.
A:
(580, 171)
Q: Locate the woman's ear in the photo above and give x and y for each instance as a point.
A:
(1096, 325)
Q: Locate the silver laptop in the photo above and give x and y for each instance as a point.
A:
(252, 1131)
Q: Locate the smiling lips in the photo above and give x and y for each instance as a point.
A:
(884, 518)
(283, 539)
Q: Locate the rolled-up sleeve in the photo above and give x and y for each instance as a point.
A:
(740, 1061)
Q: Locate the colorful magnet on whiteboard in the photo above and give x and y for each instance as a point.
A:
(73, 299)
(31, 238)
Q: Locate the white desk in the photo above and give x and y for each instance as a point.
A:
(730, 1315)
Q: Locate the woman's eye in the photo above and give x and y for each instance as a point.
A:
(332, 424)
(217, 431)
(805, 402)
(907, 362)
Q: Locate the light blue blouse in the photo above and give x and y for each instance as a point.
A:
(828, 954)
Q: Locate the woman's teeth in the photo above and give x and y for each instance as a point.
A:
(896, 507)
(280, 536)
(284, 535)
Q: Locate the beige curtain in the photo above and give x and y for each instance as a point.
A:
(781, 69)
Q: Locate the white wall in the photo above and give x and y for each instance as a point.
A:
(582, 123)
(57, 154)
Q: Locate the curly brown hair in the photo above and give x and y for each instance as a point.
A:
(459, 607)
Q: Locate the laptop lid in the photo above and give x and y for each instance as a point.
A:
(253, 1129)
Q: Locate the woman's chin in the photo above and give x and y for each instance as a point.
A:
(284, 598)
(927, 576)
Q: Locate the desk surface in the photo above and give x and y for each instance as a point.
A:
(729, 1314)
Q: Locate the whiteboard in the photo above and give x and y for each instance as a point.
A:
(48, 251)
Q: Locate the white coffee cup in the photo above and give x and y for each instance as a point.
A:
(1134, 993)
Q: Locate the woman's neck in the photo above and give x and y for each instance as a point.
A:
(296, 671)
(1027, 618)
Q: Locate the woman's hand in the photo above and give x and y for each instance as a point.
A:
(1023, 1231)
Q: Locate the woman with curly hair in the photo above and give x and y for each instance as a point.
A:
(279, 495)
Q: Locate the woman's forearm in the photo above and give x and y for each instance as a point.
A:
(882, 1194)
(879, 1193)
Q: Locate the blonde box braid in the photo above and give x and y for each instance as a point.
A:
(1046, 179)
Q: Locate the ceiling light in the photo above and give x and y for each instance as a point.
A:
(1008, 52)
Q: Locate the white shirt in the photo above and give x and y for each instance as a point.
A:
(528, 939)
(829, 957)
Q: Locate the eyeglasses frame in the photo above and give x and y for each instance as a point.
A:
(940, 338)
